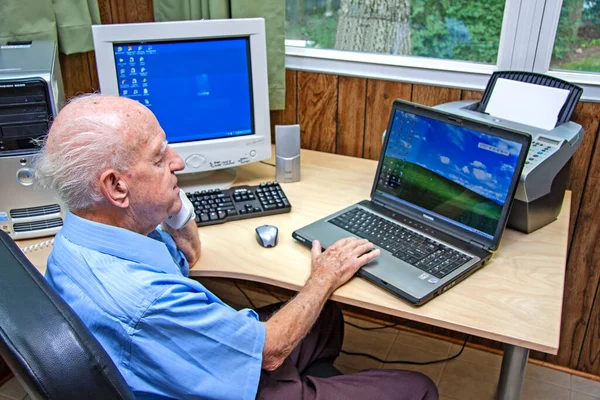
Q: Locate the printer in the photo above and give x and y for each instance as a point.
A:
(539, 196)
(31, 92)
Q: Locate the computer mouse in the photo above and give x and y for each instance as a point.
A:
(266, 235)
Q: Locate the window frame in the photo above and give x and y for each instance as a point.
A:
(526, 44)
(590, 81)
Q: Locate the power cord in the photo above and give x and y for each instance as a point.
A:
(350, 353)
(374, 328)
(273, 295)
(245, 295)
(272, 165)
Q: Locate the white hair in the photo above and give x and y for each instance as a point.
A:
(87, 146)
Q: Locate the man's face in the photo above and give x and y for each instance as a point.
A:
(151, 179)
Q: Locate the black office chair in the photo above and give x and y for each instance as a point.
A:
(44, 342)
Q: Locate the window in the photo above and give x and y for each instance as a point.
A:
(456, 43)
(577, 43)
(463, 30)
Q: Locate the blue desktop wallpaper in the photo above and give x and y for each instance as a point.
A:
(197, 89)
(458, 173)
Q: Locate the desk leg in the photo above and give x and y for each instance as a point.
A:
(512, 373)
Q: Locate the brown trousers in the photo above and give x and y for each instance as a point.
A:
(324, 341)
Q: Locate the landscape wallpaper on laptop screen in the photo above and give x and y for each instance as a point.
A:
(449, 170)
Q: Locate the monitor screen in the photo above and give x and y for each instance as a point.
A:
(198, 89)
(460, 175)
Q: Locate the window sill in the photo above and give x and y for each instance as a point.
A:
(427, 71)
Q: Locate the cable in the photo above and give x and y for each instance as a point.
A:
(273, 295)
(272, 165)
(36, 246)
(371, 328)
(245, 295)
(350, 353)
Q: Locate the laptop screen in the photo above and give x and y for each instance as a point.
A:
(448, 171)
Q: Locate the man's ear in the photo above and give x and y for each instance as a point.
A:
(114, 188)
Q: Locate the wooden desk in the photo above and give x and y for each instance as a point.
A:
(515, 299)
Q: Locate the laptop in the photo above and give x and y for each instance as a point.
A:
(439, 202)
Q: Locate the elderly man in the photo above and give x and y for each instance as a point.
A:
(109, 161)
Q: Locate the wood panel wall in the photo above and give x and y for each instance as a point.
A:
(347, 115)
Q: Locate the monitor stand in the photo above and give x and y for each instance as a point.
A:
(198, 181)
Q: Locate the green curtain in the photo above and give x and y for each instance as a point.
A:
(273, 11)
(66, 21)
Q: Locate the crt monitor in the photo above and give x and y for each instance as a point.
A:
(206, 82)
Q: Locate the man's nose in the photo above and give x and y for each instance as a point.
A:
(177, 164)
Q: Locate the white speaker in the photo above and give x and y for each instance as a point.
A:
(287, 149)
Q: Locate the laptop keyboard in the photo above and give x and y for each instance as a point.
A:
(422, 252)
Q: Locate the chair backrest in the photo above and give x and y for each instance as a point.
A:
(43, 341)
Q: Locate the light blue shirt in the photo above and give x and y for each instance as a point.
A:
(168, 335)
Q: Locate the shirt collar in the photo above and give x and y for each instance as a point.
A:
(115, 241)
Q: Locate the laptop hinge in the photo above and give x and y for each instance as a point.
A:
(477, 244)
(379, 203)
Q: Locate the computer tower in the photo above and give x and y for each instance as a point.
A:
(31, 93)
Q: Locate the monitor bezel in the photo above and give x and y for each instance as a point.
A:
(209, 154)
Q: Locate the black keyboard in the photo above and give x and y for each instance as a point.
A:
(424, 253)
(238, 202)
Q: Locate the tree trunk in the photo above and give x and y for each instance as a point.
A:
(374, 26)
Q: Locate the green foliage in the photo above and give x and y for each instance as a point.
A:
(591, 13)
(321, 30)
(457, 29)
(318, 29)
(566, 34)
(589, 64)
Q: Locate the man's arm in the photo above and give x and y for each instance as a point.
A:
(187, 240)
(330, 270)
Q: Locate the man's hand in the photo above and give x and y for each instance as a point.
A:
(341, 261)
(330, 270)
(187, 240)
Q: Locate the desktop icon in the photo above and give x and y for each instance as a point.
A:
(135, 91)
(144, 80)
(119, 48)
(139, 47)
(133, 70)
(129, 48)
(122, 71)
(131, 59)
(146, 101)
(134, 81)
(124, 81)
(143, 69)
(125, 91)
(120, 60)
(141, 59)
(145, 91)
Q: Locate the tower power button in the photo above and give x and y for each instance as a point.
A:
(25, 176)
